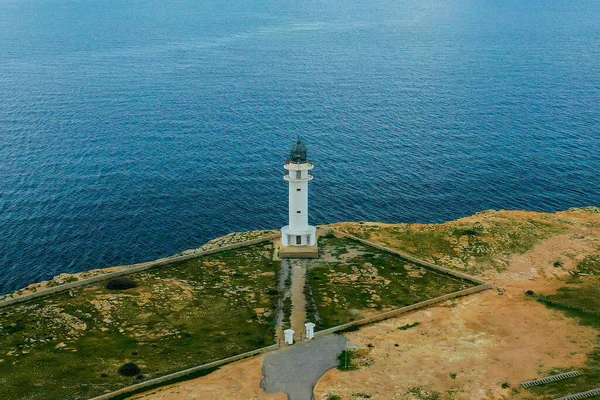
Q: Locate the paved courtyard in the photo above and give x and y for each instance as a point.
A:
(297, 369)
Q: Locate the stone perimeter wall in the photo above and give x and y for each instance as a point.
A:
(161, 262)
(325, 332)
(170, 260)
(379, 317)
(185, 372)
(481, 286)
(411, 258)
(404, 310)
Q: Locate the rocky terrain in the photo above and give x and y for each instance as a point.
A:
(477, 347)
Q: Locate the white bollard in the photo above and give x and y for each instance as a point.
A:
(310, 330)
(289, 336)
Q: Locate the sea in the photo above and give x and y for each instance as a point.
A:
(136, 129)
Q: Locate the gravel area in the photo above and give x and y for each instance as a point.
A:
(297, 369)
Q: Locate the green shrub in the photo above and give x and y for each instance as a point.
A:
(408, 326)
(120, 284)
(129, 369)
(346, 361)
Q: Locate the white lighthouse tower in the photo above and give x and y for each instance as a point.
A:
(298, 238)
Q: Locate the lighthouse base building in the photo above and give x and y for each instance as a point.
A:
(298, 238)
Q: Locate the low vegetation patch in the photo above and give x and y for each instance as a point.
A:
(408, 326)
(590, 265)
(287, 312)
(420, 393)
(73, 343)
(467, 246)
(347, 360)
(366, 281)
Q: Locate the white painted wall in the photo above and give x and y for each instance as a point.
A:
(298, 206)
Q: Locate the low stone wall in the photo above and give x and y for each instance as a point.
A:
(161, 262)
(324, 332)
(185, 372)
(481, 286)
(404, 310)
(170, 260)
(412, 258)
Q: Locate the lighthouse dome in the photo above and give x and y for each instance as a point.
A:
(298, 153)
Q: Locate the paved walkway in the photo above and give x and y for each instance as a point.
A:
(297, 369)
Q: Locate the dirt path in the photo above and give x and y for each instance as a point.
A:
(298, 317)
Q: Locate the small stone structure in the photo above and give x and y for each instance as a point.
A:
(289, 336)
(310, 330)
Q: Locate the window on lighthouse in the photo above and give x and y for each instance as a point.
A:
(298, 174)
(297, 190)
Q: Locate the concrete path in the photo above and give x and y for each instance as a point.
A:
(298, 317)
(297, 369)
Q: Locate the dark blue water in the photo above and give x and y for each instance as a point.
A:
(131, 130)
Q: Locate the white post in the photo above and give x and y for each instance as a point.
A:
(310, 330)
(289, 336)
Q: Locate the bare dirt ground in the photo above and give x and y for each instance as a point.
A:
(471, 347)
(298, 317)
(465, 349)
(485, 340)
(240, 380)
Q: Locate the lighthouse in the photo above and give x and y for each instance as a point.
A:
(298, 238)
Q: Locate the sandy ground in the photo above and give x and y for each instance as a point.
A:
(240, 380)
(486, 340)
(468, 347)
